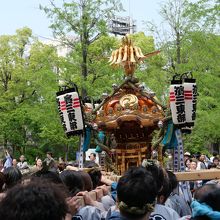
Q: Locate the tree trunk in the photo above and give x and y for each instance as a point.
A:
(84, 68)
(84, 38)
(178, 55)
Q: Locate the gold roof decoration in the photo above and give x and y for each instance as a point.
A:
(128, 56)
(128, 100)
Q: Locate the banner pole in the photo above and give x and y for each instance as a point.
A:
(81, 153)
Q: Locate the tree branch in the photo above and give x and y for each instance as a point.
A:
(74, 28)
(94, 38)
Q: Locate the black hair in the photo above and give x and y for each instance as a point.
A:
(38, 158)
(90, 164)
(190, 160)
(94, 173)
(215, 153)
(136, 188)
(12, 176)
(61, 166)
(216, 158)
(50, 153)
(166, 190)
(73, 181)
(34, 201)
(172, 179)
(157, 173)
(48, 175)
(209, 194)
(88, 185)
(212, 165)
(93, 154)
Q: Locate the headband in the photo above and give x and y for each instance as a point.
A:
(149, 207)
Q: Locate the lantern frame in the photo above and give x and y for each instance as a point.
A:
(66, 90)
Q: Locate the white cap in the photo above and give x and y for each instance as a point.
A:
(187, 154)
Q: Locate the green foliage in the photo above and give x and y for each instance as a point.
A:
(203, 61)
(30, 72)
(194, 27)
(88, 20)
(85, 17)
(150, 71)
(205, 13)
(29, 119)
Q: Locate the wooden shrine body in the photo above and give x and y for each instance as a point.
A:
(129, 117)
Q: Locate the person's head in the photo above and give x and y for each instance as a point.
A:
(33, 201)
(172, 179)
(61, 166)
(49, 176)
(61, 160)
(187, 163)
(22, 158)
(215, 154)
(136, 193)
(193, 165)
(208, 194)
(156, 171)
(14, 162)
(73, 181)
(49, 155)
(187, 155)
(94, 173)
(12, 176)
(202, 157)
(39, 162)
(216, 161)
(164, 193)
(88, 185)
(92, 156)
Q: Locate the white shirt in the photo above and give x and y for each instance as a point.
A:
(22, 165)
(162, 212)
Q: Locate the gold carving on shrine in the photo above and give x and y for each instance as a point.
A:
(128, 100)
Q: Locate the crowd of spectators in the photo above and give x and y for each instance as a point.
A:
(200, 161)
(56, 190)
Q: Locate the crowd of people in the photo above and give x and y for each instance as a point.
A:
(200, 161)
(55, 190)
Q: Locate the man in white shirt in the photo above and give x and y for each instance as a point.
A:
(22, 164)
(92, 157)
(201, 164)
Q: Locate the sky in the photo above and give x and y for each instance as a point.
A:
(15, 14)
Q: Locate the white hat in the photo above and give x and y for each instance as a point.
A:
(187, 154)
